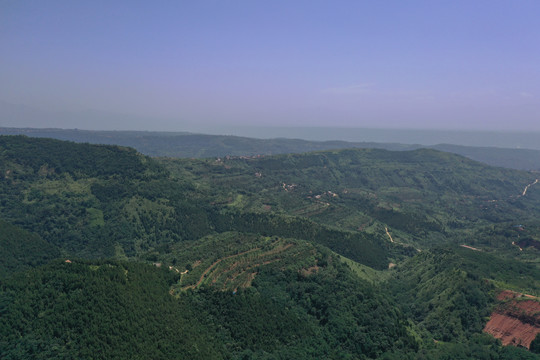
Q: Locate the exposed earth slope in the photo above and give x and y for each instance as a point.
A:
(516, 320)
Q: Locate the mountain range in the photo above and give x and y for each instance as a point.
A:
(183, 144)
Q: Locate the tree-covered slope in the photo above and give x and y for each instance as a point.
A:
(449, 294)
(42, 157)
(101, 310)
(327, 255)
(304, 305)
(421, 197)
(132, 205)
(93, 200)
(368, 205)
(22, 250)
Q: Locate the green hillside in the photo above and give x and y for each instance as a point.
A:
(422, 197)
(100, 310)
(22, 250)
(444, 293)
(346, 254)
(94, 201)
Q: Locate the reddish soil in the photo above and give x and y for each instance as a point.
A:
(509, 294)
(515, 321)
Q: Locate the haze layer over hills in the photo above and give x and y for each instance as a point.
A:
(201, 146)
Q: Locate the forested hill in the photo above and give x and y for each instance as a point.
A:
(94, 200)
(130, 204)
(423, 196)
(187, 145)
(45, 157)
(345, 254)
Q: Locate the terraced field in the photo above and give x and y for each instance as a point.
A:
(237, 258)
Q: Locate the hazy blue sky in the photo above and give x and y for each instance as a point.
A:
(172, 65)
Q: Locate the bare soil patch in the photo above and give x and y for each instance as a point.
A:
(516, 321)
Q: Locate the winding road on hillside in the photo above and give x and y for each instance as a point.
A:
(528, 186)
(387, 233)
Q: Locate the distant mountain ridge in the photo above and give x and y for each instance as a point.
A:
(189, 145)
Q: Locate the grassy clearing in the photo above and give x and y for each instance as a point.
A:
(365, 272)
